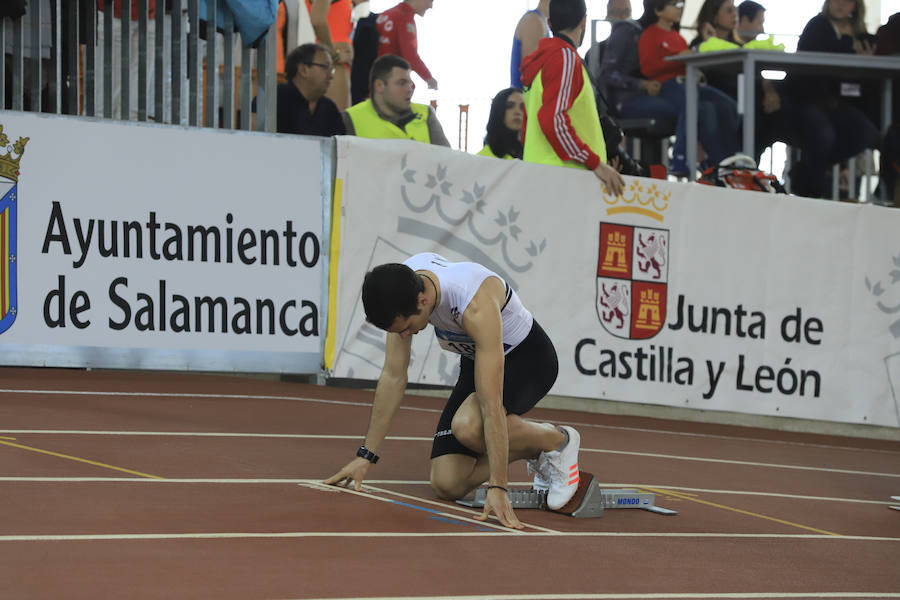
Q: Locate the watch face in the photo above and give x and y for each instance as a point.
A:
(367, 454)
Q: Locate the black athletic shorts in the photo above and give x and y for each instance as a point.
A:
(528, 374)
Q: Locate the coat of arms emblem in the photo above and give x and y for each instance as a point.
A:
(10, 155)
(632, 274)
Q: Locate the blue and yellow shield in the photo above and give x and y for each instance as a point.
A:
(8, 298)
(9, 178)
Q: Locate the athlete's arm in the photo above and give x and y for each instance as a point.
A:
(563, 81)
(408, 47)
(530, 31)
(435, 131)
(388, 395)
(482, 321)
(318, 17)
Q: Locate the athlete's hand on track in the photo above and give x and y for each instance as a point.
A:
(353, 473)
(497, 501)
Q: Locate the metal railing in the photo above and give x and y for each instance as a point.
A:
(68, 57)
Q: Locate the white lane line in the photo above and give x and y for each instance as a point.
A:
(395, 534)
(741, 462)
(456, 507)
(661, 596)
(482, 524)
(199, 480)
(435, 410)
(209, 396)
(311, 436)
(374, 482)
(750, 493)
(733, 438)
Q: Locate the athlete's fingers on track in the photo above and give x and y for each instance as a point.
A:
(504, 513)
(508, 517)
(339, 478)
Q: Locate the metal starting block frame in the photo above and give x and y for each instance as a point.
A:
(593, 503)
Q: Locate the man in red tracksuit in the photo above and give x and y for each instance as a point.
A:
(562, 125)
(397, 35)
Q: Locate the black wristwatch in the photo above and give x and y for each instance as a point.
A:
(367, 454)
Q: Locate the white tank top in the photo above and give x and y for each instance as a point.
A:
(458, 283)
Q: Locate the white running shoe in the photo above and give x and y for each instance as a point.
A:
(540, 471)
(564, 474)
(538, 468)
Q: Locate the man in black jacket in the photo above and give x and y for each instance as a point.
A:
(302, 105)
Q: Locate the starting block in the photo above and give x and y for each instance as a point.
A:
(590, 500)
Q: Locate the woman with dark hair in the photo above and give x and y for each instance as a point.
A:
(831, 125)
(717, 118)
(504, 127)
(717, 18)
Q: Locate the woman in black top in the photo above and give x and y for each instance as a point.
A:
(831, 125)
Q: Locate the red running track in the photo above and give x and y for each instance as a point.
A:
(159, 485)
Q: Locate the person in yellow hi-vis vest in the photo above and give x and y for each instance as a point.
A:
(562, 126)
(390, 112)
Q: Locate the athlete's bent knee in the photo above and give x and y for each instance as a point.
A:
(469, 431)
(447, 489)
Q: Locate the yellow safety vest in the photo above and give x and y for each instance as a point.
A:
(486, 151)
(368, 124)
(715, 44)
(583, 116)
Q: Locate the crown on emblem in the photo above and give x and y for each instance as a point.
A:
(9, 162)
(647, 201)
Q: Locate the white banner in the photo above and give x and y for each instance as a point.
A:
(674, 294)
(154, 246)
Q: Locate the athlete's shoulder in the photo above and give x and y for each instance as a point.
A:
(426, 261)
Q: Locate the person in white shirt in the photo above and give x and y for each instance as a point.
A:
(507, 364)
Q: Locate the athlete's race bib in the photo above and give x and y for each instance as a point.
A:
(460, 343)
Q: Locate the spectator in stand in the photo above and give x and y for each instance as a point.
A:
(302, 29)
(716, 19)
(630, 96)
(530, 30)
(504, 127)
(751, 19)
(389, 113)
(716, 24)
(830, 127)
(717, 119)
(887, 40)
(564, 128)
(331, 20)
(303, 106)
(397, 36)
(365, 51)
